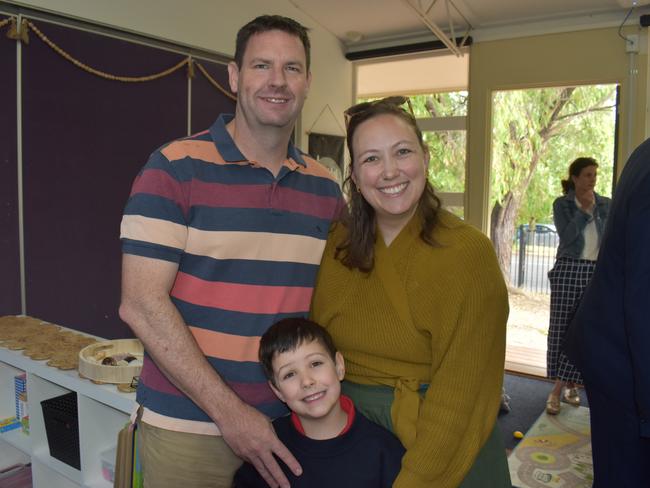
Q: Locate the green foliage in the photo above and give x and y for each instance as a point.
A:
(537, 133)
(445, 104)
(447, 149)
(447, 160)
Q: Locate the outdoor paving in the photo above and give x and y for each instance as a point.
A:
(528, 320)
(527, 332)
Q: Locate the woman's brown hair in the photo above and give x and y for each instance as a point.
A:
(574, 170)
(357, 249)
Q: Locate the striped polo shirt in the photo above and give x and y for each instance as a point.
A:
(248, 246)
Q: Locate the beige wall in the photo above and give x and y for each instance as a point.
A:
(213, 25)
(590, 56)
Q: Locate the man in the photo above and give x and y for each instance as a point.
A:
(610, 336)
(222, 236)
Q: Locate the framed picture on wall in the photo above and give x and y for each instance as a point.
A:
(328, 150)
(326, 145)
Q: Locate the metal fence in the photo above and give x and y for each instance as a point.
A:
(533, 255)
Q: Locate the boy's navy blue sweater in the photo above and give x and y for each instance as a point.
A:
(366, 456)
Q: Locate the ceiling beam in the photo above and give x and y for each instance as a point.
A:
(448, 40)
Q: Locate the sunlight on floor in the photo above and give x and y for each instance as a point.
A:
(527, 332)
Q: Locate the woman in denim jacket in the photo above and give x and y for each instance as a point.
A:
(579, 217)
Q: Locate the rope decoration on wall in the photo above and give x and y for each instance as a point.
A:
(15, 33)
(214, 82)
(103, 74)
(21, 33)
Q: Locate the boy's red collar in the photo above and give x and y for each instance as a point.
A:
(346, 404)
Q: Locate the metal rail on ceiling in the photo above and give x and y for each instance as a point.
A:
(449, 40)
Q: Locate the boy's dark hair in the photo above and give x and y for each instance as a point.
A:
(287, 335)
(265, 23)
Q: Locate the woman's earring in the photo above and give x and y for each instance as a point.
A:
(358, 189)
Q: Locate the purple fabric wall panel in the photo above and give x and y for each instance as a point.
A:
(207, 101)
(9, 245)
(85, 139)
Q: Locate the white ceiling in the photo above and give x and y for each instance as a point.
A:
(383, 23)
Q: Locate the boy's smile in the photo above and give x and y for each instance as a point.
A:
(308, 381)
(314, 397)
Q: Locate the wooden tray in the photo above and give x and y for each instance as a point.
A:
(88, 367)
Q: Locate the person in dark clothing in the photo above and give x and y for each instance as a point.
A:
(609, 337)
(336, 445)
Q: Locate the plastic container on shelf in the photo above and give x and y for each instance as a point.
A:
(62, 428)
(108, 463)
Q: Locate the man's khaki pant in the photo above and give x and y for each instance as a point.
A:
(176, 459)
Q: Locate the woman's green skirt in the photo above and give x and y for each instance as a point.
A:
(490, 469)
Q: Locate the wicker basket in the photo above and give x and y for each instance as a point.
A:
(89, 368)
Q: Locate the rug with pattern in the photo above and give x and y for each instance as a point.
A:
(555, 452)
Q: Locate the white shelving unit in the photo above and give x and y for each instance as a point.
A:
(102, 412)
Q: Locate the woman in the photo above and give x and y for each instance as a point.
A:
(579, 217)
(415, 301)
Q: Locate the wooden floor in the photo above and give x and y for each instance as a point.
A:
(527, 360)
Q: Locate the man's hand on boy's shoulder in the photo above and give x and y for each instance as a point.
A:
(251, 437)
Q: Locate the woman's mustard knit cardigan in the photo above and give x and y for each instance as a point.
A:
(436, 315)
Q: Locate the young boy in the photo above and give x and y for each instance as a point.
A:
(335, 445)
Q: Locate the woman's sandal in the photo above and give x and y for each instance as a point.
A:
(553, 404)
(572, 396)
